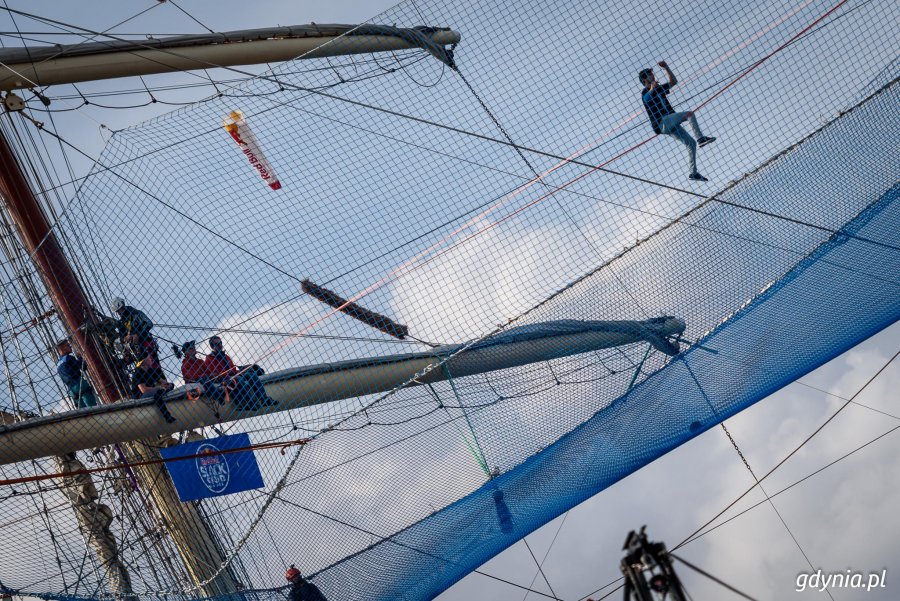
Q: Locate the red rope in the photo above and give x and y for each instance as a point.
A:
(771, 54)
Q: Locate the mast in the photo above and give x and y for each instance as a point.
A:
(193, 538)
(68, 297)
(65, 290)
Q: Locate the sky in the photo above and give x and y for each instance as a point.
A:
(851, 503)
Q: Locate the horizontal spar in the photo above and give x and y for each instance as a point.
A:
(44, 66)
(307, 386)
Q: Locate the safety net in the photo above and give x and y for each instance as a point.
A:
(440, 293)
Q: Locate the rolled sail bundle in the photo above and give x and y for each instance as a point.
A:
(370, 318)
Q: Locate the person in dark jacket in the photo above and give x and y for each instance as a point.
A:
(134, 328)
(132, 322)
(71, 370)
(301, 588)
(148, 380)
(664, 120)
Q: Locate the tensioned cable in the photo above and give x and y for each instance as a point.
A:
(713, 578)
(797, 482)
(540, 177)
(791, 454)
(547, 554)
(750, 469)
(607, 585)
(236, 330)
(837, 396)
(539, 567)
(191, 17)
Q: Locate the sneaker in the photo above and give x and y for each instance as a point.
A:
(697, 177)
(704, 140)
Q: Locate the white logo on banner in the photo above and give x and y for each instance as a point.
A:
(213, 469)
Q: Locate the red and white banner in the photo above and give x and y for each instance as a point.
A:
(236, 125)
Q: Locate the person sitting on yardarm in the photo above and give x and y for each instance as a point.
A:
(148, 379)
(219, 365)
(193, 368)
(666, 121)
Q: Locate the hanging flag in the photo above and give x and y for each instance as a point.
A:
(210, 473)
(236, 125)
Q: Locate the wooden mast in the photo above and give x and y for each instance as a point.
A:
(193, 538)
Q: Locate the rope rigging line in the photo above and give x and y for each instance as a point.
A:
(252, 447)
(857, 403)
(690, 537)
(750, 469)
(713, 578)
(539, 567)
(796, 483)
(547, 553)
(390, 539)
(540, 177)
(191, 17)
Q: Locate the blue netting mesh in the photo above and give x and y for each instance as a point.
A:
(791, 326)
(411, 194)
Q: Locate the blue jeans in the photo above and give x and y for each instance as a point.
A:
(670, 125)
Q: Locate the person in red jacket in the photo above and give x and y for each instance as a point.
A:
(193, 368)
(219, 365)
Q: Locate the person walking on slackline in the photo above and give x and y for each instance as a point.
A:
(665, 120)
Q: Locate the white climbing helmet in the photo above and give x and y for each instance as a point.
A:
(117, 304)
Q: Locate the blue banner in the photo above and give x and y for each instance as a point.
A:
(210, 473)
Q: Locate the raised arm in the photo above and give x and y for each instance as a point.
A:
(671, 76)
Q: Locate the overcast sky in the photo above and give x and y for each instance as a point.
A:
(844, 518)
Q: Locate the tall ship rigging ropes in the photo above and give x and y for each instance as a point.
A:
(486, 286)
